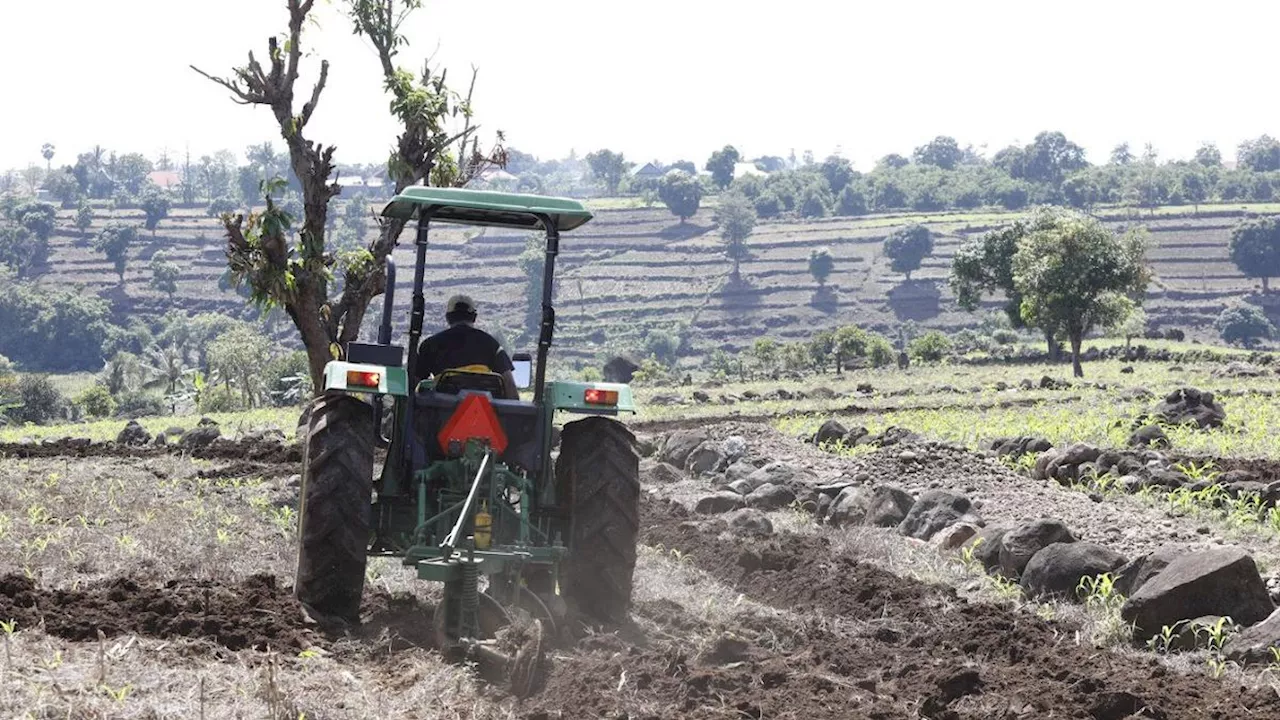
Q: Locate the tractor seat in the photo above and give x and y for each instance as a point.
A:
(470, 377)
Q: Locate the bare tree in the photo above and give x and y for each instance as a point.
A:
(258, 249)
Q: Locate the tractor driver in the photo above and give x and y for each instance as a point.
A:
(463, 345)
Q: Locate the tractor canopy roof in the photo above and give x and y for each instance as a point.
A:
(481, 207)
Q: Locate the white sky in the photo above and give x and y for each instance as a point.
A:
(664, 79)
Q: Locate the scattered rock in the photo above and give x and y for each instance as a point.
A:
(701, 396)
(721, 502)
(1020, 544)
(933, 511)
(952, 537)
(1253, 644)
(661, 473)
(1126, 370)
(1018, 446)
(1238, 369)
(865, 388)
(848, 508)
(770, 497)
(985, 546)
(1124, 705)
(823, 393)
(201, 436)
(1190, 406)
(830, 432)
(645, 446)
(666, 399)
(739, 471)
(160, 440)
(1149, 436)
(1219, 581)
(894, 436)
(133, 434)
(750, 522)
(733, 448)
(680, 444)
(855, 436)
(776, 473)
(706, 458)
(1056, 570)
(620, 369)
(888, 506)
(742, 487)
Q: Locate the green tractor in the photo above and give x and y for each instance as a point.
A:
(468, 494)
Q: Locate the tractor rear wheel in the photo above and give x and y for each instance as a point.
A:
(333, 515)
(598, 483)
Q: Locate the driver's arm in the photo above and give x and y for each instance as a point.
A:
(510, 391)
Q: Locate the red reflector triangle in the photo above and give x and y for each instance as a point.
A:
(473, 419)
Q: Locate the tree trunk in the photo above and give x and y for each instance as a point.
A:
(1052, 345)
(1076, 369)
(1266, 284)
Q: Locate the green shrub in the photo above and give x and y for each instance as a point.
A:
(39, 401)
(880, 351)
(288, 378)
(1243, 323)
(96, 401)
(222, 399)
(932, 346)
(590, 374)
(138, 403)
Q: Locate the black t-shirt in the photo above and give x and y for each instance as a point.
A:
(459, 346)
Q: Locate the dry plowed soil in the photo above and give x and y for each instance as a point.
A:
(867, 644)
(254, 613)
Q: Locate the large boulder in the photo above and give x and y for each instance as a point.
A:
(1253, 644)
(848, 508)
(733, 448)
(1018, 446)
(1131, 576)
(706, 458)
(935, 510)
(201, 436)
(680, 444)
(660, 473)
(1191, 406)
(1056, 570)
(1220, 581)
(1020, 544)
(133, 434)
(770, 497)
(888, 506)
(830, 432)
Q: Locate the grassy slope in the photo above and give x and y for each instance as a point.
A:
(634, 268)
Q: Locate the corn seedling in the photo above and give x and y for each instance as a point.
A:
(118, 694)
(1163, 642)
(1197, 472)
(1217, 634)
(9, 627)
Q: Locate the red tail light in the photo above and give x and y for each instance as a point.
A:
(600, 397)
(361, 378)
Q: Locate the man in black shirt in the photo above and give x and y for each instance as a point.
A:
(463, 344)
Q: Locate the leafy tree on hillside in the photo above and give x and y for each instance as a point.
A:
(1194, 187)
(155, 204)
(838, 172)
(848, 342)
(165, 274)
(681, 193)
(114, 241)
(851, 202)
(18, 248)
(821, 264)
(1074, 274)
(1244, 323)
(238, 355)
(721, 165)
(51, 327)
(942, 151)
(46, 151)
(39, 400)
(1133, 326)
(765, 350)
(932, 346)
(38, 217)
(737, 219)
(532, 262)
(1259, 155)
(815, 202)
(1255, 249)
(221, 206)
(84, 217)
(907, 247)
(609, 168)
(438, 145)
(1209, 156)
(1080, 191)
(892, 161)
(130, 171)
(685, 165)
(63, 185)
(1051, 156)
(820, 347)
(1121, 154)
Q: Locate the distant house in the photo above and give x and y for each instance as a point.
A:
(650, 171)
(165, 179)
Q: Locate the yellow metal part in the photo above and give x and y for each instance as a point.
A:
(484, 527)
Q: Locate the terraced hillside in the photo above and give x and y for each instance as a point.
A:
(635, 269)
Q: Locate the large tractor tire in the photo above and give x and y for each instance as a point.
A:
(598, 483)
(333, 516)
